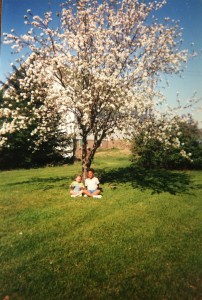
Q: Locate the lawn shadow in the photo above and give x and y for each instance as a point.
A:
(157, 180)
(44, 183)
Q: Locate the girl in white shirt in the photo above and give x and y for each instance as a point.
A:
(92, 185)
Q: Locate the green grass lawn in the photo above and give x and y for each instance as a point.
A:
(142, 240)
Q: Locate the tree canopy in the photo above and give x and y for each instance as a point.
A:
(99, 65)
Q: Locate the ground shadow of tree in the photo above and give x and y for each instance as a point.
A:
(47, 183)
(156, 180)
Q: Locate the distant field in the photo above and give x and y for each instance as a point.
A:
(142, 240)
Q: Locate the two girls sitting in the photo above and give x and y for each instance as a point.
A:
(91, 188)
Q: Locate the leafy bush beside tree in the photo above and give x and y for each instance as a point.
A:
(19, 150)
(154, 154)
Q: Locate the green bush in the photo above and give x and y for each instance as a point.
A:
(154, 155)
(19, 149)
(18, 152)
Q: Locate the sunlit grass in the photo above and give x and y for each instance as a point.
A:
(140, 241)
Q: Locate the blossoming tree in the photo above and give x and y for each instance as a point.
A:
(100, 65)
(30, 147)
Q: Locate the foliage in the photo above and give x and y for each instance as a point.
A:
(17, 153)
(154, 154)
(19, 147)
(98, 69)
(131, 244)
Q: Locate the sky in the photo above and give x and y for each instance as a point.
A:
(188, 12)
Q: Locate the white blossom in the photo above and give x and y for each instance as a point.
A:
(101, 66)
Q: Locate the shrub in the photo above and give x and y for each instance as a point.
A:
(154, 155)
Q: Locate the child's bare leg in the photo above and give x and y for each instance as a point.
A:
(72, 193)
(97, 192)
(76, 193)
(86, 192)
(89, 194)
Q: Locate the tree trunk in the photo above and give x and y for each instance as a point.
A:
(84, 158)
(88, 154)
(87, 157)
